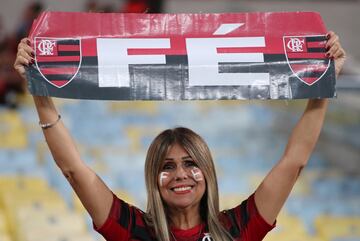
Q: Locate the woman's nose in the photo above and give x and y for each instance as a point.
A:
(180, 173)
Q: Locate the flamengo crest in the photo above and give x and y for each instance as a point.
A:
(58, 59)
(306, 57)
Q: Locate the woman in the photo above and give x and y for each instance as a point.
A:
(180, 178)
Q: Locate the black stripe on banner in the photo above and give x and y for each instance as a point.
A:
(89, 61)
(316, 39)
(304, 60)
(316, 50)
(274, 57)
(176, 59)
(69, 53)
(309, 74)
(58, 64)
(59, 76)
(243, 67)
(68, 42)
(309, 61)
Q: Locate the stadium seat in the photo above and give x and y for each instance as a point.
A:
(290, 237)
(287, 226)
(12, 131)
(49, 222)
(22, 183)
(5, 237)
(338, 228)
(45, 235)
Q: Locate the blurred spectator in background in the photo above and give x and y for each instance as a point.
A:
(95, 7)
(30, 13)
(10, 82)
(143, 6)
(11, 85)
(92, 6)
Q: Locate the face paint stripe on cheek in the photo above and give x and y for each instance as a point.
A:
(162, 176)
(197, 174)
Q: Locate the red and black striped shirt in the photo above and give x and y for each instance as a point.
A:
(126, 222)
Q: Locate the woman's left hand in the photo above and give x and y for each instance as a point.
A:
(335, 51)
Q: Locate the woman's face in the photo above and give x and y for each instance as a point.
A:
(181, 182)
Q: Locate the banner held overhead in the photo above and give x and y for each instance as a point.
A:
(115, 56)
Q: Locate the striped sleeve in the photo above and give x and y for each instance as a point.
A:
(245, 223)
(117, 226)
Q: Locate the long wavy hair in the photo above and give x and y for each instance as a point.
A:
(200, 153)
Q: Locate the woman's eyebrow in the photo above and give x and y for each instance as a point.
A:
(183, 158)
(186, 157)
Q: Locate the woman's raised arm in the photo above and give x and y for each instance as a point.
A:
(93, 193)
(272, 193)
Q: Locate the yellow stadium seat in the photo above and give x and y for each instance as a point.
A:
(291, 237)
(3, 225)
(287, 228)
(59, 237)
(120, 193)
(301, 188)
(331, 227)
(34, 223)
(5, 237)
(18, 198)
(230, 201)
(124, 195)
(13, 201)
(135, 133)
(22, 183)
(150, 108)
(13, 132)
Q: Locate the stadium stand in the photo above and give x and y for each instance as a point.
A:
(246, 140)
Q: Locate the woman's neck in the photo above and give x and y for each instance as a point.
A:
(184, 218)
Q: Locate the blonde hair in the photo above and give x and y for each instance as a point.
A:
(199, 151)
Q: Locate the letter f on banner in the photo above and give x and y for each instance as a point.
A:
(114, 60)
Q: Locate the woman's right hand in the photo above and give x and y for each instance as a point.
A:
(24, 57)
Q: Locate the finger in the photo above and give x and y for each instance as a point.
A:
(26, 41)
(339, 53)
(21, 62)
(24, 54)
(26, 47)
(333, 49)
(333, 39)
(329, 34)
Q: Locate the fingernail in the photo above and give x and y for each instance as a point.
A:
(327, 55)
(327, 36)
(327, 48)
(32, 54)
(28, 42)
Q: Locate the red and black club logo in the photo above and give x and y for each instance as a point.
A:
(306, 57)
(58, 60)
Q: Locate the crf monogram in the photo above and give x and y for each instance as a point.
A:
(296, 45)
(46, 47)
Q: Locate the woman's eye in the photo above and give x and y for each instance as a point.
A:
(190, 164)
(167, 167)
